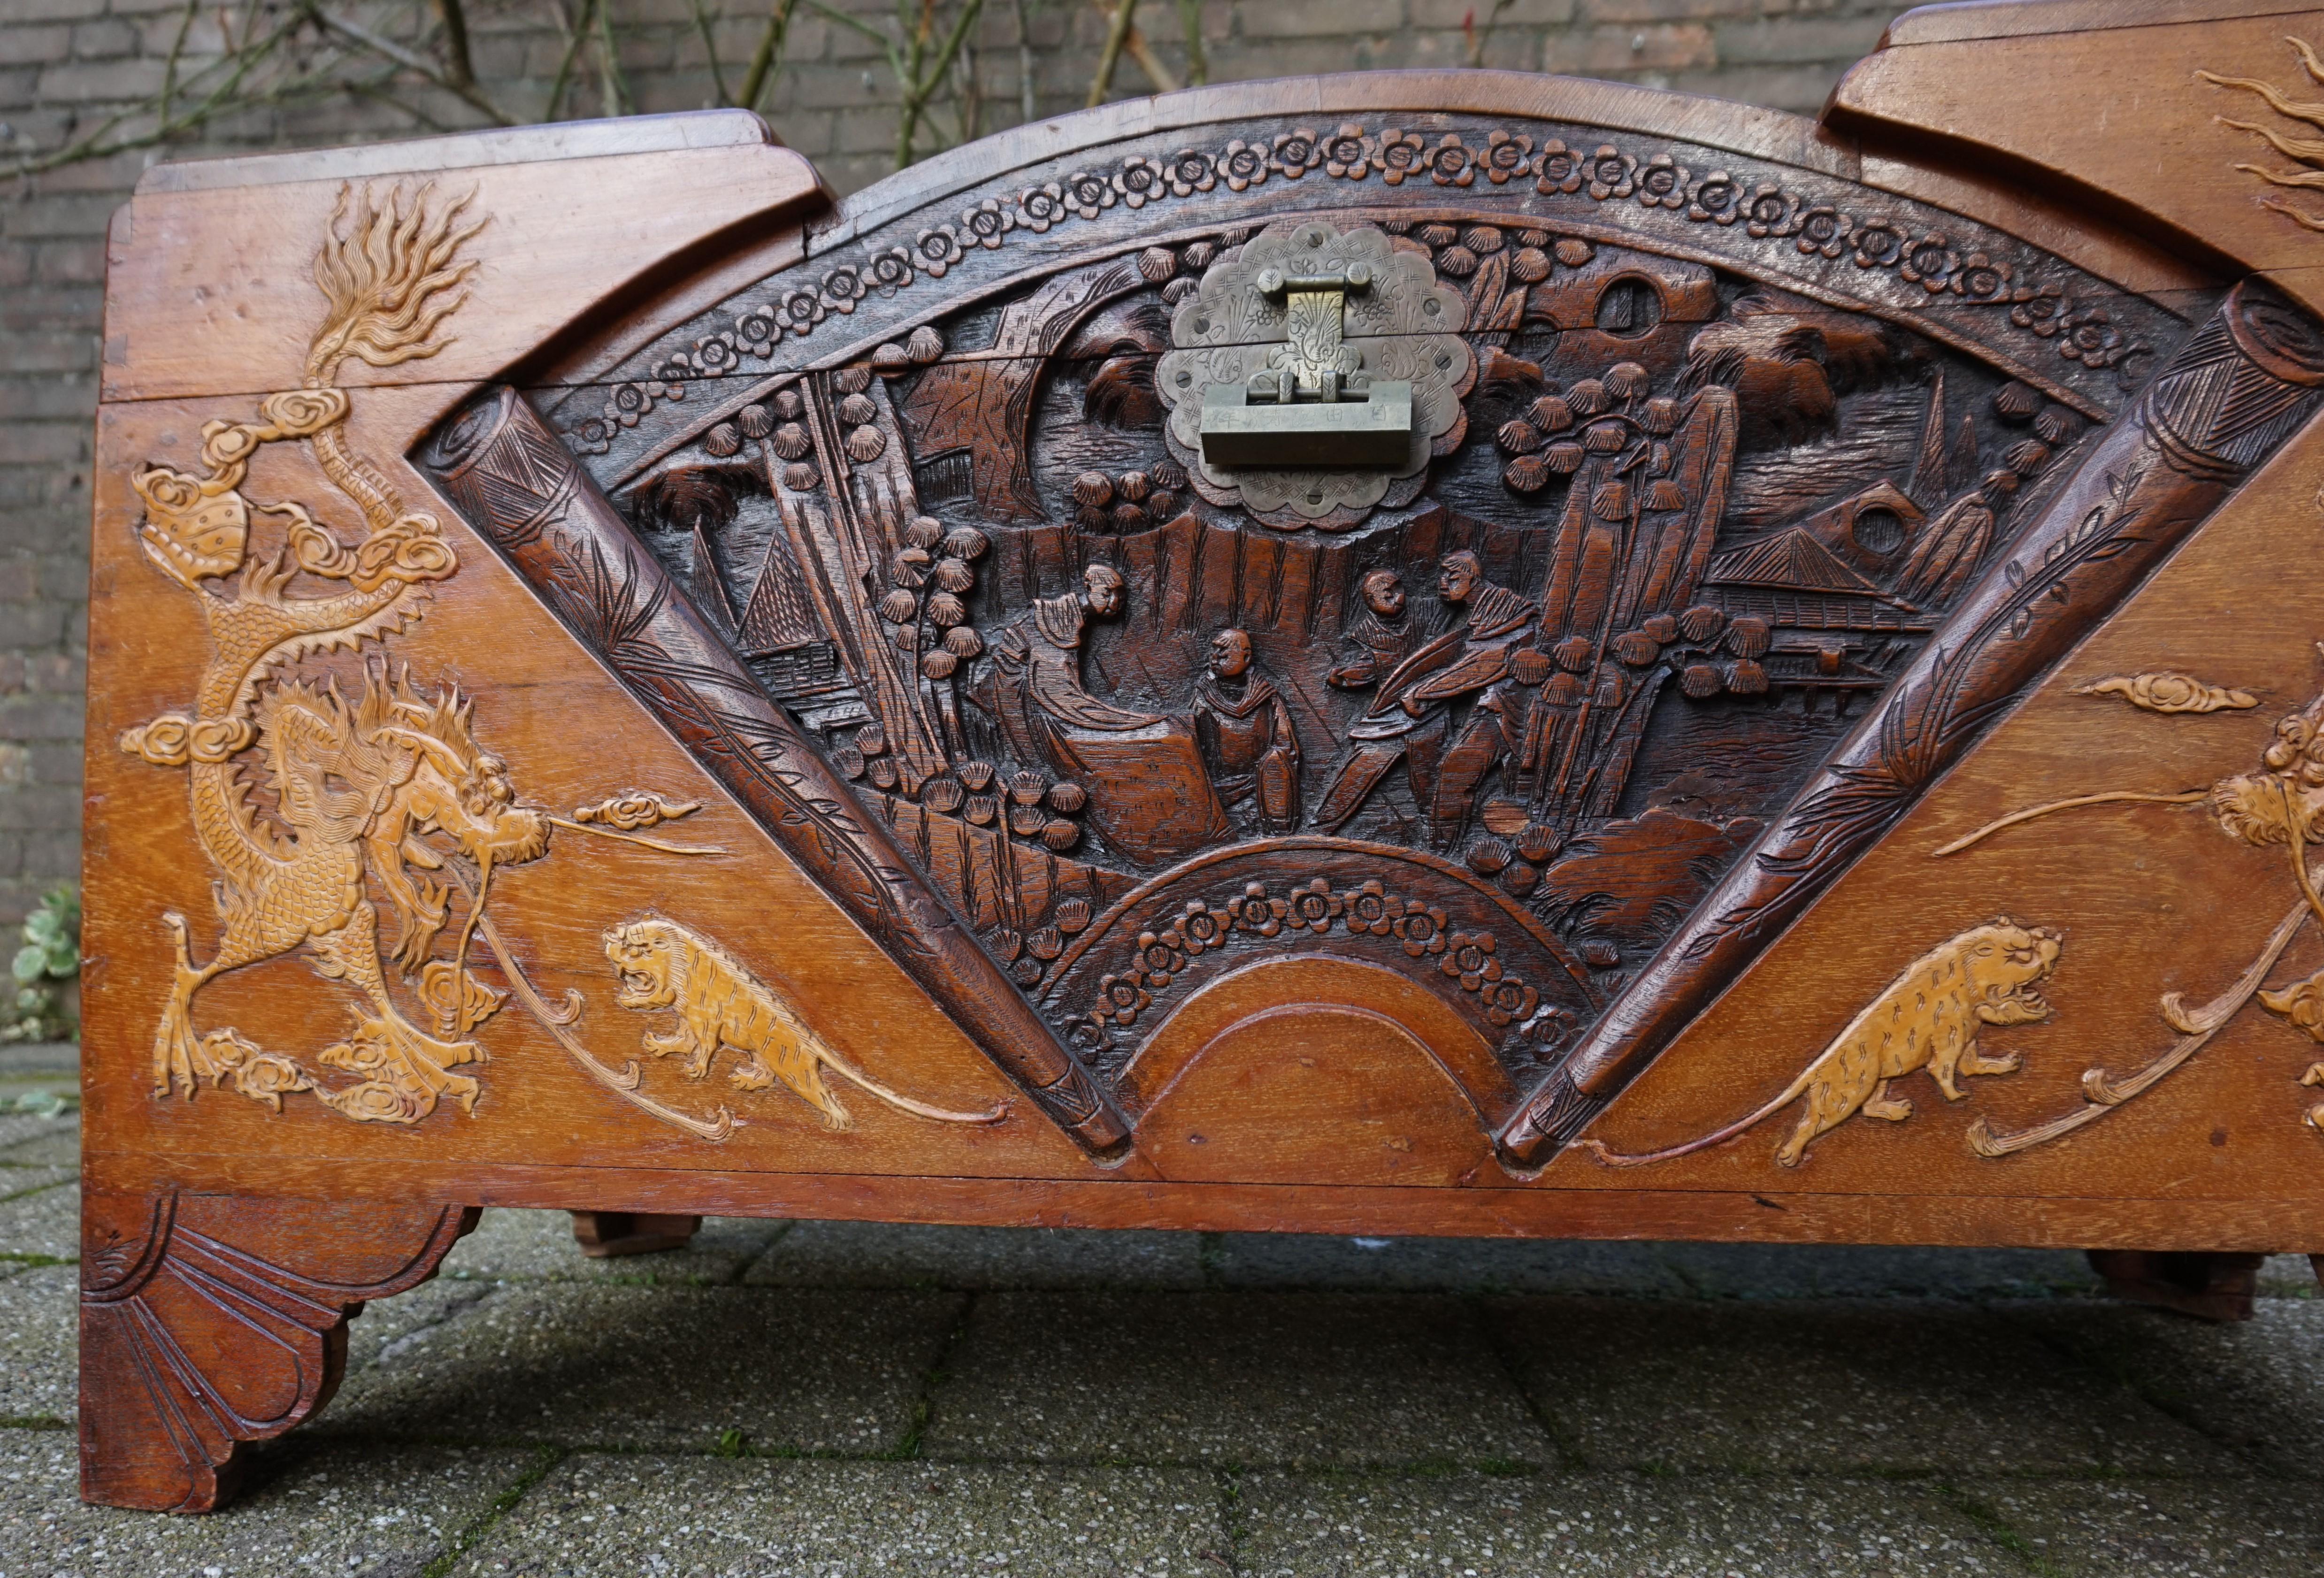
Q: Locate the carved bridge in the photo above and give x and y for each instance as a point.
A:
(1411, 652)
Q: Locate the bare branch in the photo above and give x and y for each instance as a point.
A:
(1115, 37)
(1198, 64)
(457, 69)
(616, 84)
(710, 48)
(418, 64)
(768, 61)
(1029, 103)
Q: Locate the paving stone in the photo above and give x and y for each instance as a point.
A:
(677, 1517)
(877, 1254)
(2167, 1528)
(802, 1369)
(387, 1326)
(1830, 1387)
(43, 1218)
(1716, 1527)
(41, 1063)
(17, 1129)
(1270, 1379)
(365, 1512)
(2288, 1276)
(39, 1335)
(538, 1245)
(1293, 1260)
(54, 1143)
(1875, 1272)
(2257, 1384)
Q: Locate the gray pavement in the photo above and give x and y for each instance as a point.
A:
(836, 1400)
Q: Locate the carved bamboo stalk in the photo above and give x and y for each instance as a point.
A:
(2242, 384)
(524, 493)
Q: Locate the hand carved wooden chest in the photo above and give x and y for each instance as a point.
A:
(1422, 652)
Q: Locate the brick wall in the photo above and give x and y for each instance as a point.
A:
(65, 64)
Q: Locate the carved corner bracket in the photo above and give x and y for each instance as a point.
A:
(209, 1321)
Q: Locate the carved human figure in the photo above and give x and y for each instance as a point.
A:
(1152, 799)
(1246, 735)
(1381, 633)
(1409, 718)
(1034, 686)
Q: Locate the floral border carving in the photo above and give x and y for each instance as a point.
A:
(1367, 911)
(1606, 173)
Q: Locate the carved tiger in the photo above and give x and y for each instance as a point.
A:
(1928, 1018)
(719, 1003)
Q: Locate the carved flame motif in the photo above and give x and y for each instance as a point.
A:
(2307, 153)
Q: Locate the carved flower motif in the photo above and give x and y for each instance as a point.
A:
(843, 288)
(1662, 184)
(628, 403)
(1313, 907)
(1296, 152)
(1610, 173)
(1507, 1001)
(802, 310)
(1347, 154)
(1255, 912)
(1371, 910)
(1505, 157)
(1159, 957)
(1980, 278)
(1471, 957)
(1769, 211)
(1140, 181)
(1822, 231)
(2091, 339)
(1087, 193)
(1452, 163)
(1120, 999)
(716, 354)
(1878, 245)
(1201, 927)
(1243, 165)
(1040, 207)
(1930, 262)
(594, 437)
(1715, 198)
(2039, 309)
(1191, 171)
(758, 330)
(987, 222)
(938, 250)
(1400, 154)
(1420, 929)
(890, 270)
(1557, 167)
(673, 369)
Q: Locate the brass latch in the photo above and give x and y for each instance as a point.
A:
(1312, 404)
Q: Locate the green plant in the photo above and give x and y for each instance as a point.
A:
(49, 959)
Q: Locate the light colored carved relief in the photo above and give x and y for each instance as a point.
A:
(2281, 805)
(721, 1006)
(387, 791)
(1928, 1020)
(2306, 152)
(2167, 690)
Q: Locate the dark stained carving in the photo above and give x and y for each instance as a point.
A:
(520, 487)
(1739, 500)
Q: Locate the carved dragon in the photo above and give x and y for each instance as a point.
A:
(353, 785)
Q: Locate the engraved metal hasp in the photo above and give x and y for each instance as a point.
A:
(1312, 404)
